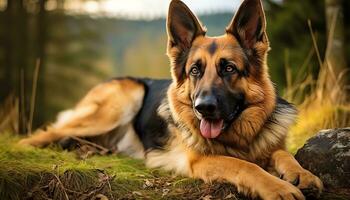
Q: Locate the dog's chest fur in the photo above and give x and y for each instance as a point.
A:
(156, 128)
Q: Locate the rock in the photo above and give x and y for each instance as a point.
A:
(327, 155)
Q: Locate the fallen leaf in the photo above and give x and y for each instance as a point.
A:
(165, 192)
(230, 196)
(137, 193)
(100, 197)
(207, 197)
(147, 184)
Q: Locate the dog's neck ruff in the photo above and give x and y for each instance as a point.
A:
(271, 136)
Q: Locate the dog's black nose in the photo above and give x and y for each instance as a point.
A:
(206, 105)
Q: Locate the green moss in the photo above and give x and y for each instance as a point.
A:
(28, 172)
(53, 173)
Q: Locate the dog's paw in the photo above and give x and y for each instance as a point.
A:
(308, 183)
(280, 190)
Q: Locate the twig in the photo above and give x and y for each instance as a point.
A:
(62, 186)
(60, 182)
(315, 43)
(22, 116)
(110, 188)
(89, 143)
(32, 101)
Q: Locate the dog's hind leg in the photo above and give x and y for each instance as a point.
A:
(105, 107)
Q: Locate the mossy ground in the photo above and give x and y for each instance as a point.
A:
(53, 173)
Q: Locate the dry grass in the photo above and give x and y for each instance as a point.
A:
(9, 115)
(323, 103)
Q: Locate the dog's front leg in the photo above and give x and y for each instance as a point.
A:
(247, 177)
(290, 170)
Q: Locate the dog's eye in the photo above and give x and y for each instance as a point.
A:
(230, 68)
(194, 70)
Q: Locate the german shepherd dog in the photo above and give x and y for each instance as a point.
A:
(218, 119)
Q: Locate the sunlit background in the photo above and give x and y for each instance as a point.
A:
(145, 9)
(53, 51)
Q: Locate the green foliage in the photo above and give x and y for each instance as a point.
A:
(290, 39)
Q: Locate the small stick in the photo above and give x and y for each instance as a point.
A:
(22, 115)
(62, 186)
(90, 143)
(60, 182)
(32, 101)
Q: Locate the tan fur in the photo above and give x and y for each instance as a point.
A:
(252, 137)
(104, 108)
(248, 177)
(172, 158)
(260, 95)
(286, 165)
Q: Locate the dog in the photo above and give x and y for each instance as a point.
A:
(218, 119)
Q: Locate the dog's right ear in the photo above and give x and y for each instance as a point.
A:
(182, 25)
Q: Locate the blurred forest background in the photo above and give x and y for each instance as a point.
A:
(50, 56)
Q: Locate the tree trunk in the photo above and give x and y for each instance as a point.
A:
(16, 57)
(8, 84)
(335, 53)
(41, 55)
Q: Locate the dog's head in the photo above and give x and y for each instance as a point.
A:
(221, 84)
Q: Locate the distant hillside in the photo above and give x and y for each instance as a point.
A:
(138, 47)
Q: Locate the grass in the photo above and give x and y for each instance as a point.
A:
(32, 173)
(321, 115)
(323, 102)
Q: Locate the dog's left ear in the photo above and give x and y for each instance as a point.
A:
(249, 24)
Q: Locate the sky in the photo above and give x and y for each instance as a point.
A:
(148, 9)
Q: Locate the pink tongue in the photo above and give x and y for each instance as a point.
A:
(211, 129)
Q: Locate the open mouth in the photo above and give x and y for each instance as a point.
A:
(211, 128)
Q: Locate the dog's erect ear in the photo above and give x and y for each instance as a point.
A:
(249, 24)
(182, 25)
